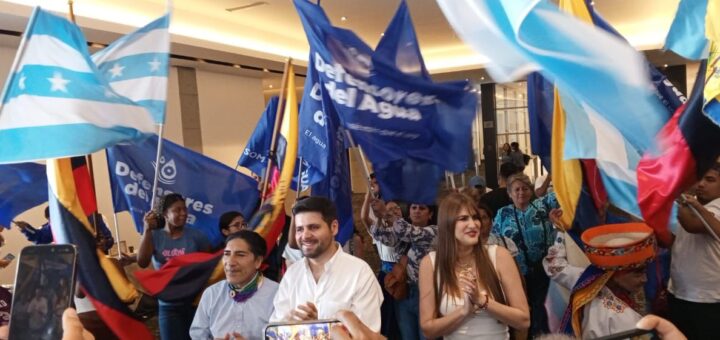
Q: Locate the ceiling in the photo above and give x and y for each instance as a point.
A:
(268, 31)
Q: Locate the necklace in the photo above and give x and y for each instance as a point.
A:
(248, 290)
(466, 269)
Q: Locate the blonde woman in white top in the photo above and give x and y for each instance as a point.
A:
(469, 290)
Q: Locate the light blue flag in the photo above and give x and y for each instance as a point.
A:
(56, 103)
(687, 32)
(137, 64)
(589, 136)
(594, 66)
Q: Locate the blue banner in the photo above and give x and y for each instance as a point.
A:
(322, 147)
(392, 112)
(257, 149)
(210, 188)
(22, 187)
(540, 109)
(385, 98)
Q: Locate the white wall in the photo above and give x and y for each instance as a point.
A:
(230, 107)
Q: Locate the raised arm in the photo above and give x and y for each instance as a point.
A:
(557, 266)
(365, 211)
(146, 248)
(691, 223)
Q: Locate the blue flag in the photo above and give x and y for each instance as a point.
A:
(322, 147)
(385, 97)
(336, 185)
(257, 149)
(210, 188)
(57, 103)
(22, 186)
(540, 109)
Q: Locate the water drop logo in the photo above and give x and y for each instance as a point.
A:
(168, 171)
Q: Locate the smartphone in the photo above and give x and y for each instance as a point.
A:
(44, 286)
(313, 329)
(9, 257)
(628, 334)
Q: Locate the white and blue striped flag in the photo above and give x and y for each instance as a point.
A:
(588, 135)
(594, 66)
(56, 103)
(136, 66)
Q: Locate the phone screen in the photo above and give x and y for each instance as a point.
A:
(315, 330)
(44, 286)
(629, 334)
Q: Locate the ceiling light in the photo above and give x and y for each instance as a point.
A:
(270, 86)
(666, 65)
(343, 18)
(482, 78)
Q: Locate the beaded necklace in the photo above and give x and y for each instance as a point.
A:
(248, 290)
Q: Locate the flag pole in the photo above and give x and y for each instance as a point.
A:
(704, 222)
(157, 166)
(298, 185)
(117, 233)
(362, 159)
(88, 157)
(276, 128)
(71, 13)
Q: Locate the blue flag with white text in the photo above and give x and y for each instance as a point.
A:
(22, 187)
(137, 65)
(56, 103)
(385, 97)
(257, 149)
(210, 188)
(322, 147)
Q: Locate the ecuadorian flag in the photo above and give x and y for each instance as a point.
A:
(103, 282)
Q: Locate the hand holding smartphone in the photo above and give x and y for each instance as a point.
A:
(628, 334)
(44, 286)
(313, 329)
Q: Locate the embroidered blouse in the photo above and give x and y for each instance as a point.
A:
(531, 230)
(420, 239)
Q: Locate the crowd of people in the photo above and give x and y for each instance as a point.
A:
(476, 266)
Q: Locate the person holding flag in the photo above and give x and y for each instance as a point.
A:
(166, 237)
(694, 276)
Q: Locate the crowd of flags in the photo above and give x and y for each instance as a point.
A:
(610, 127)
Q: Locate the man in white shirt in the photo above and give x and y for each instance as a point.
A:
(695, 266)
(327, 280)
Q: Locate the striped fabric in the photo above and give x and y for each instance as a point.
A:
(102, 281)
(136, 66)
(586, 62)
(56, 103)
